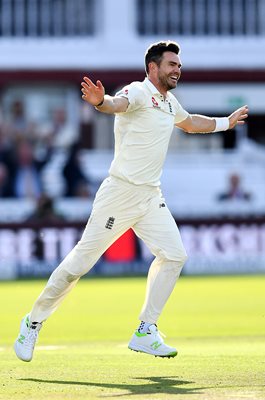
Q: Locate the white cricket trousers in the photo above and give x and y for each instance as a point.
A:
(118, 206)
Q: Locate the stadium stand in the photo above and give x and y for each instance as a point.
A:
(48, 46)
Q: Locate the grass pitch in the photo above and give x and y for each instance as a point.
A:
(217, 324)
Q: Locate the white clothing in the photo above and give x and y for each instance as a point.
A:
(130, 198)
(142, 133)
(119, 206)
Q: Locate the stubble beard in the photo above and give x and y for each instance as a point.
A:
(164, 81)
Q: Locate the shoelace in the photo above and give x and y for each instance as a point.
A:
(159, 334)
(31, 337)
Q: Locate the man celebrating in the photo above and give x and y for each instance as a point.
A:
(145, 115)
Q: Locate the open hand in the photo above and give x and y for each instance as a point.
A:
(92, 93)
(238, 117)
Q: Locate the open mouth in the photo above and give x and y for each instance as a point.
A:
(174, 78)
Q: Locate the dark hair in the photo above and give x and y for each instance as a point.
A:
(155, 52)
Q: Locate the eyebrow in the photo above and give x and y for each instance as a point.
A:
(175, 63)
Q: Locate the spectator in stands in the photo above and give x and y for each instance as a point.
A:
(234, 191)
(5, 166)
(4, 181)
(5, 142)
(45, 211)
(18, 126)
(25, 171)
(77, 184)
(63, 132)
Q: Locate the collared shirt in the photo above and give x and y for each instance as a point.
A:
(142, 133)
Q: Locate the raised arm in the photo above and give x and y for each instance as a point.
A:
(94, 94)
(202, 124)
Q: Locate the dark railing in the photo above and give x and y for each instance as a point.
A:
(201, 17)
(47, 18)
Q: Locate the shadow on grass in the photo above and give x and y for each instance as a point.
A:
(154, 384)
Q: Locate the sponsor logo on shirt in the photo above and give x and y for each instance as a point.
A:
(155, 103)
(126, 91)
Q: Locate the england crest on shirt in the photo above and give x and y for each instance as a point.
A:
(155, 103)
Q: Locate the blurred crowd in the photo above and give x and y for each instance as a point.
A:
(25, 150)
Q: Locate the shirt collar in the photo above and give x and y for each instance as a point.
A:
(152, 88)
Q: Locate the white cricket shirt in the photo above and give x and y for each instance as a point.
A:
(142, 133)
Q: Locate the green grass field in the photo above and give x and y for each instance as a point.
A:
(217, 324)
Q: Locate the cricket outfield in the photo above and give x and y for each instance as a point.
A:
(216, 323)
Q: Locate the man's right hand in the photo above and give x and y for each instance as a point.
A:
(92, 93)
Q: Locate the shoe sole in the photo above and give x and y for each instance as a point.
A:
(169, 355)
(19, 356)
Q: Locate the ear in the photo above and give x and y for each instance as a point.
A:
(152, 66)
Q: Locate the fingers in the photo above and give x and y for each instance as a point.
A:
(243, 107)
(243, 116)
(84, 86)
(241, 110)
(238, 117)
(92, 93)
(84, 90)
(87, 87)
(99, 85)
(244, 111)
(89, 82)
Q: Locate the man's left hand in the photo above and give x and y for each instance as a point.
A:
(238, 117)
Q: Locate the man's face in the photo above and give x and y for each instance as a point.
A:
(169, 70)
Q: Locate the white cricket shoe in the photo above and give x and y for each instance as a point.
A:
(152, 343)
(28, 335)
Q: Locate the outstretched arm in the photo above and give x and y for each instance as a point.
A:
(94, 94)
(202, 124)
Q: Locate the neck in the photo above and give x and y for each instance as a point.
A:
(158, 85)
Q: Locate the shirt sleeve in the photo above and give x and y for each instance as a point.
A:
(134, 96)
(180, 113)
